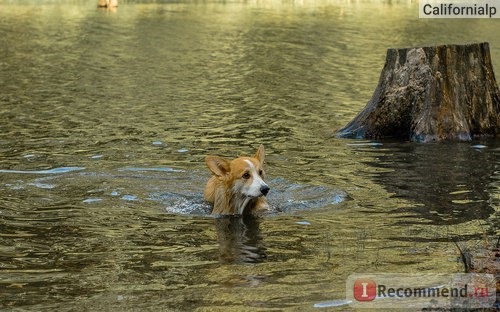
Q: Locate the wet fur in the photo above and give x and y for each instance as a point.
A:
(226, 188)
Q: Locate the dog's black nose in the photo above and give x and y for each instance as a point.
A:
(264, 189)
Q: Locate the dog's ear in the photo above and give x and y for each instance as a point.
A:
(259, 155)
(218, 165)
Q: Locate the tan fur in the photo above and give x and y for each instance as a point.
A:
(223, 189)
(107, 3)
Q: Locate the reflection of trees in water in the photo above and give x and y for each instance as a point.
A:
(451, 183)
(239, 239)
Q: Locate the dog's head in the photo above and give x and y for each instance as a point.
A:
(243, 175)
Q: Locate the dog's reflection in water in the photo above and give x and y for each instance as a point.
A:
(239, 239)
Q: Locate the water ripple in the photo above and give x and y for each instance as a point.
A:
(58, 170)
(285, 197)
(159, 169)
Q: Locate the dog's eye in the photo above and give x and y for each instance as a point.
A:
(246, 175)
(261, 172)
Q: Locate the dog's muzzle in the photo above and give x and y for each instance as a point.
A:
(264, 190)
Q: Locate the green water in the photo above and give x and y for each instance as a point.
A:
(106, 117)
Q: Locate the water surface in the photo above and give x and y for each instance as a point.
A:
(105, 118)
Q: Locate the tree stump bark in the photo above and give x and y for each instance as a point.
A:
(436, 93)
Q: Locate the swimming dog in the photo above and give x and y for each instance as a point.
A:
(107, 4)
(237, 186)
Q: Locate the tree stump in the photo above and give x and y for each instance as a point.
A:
(436, 93)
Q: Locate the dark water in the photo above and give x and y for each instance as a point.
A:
(105, 118)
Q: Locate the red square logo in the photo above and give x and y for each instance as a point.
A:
(365, 290)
